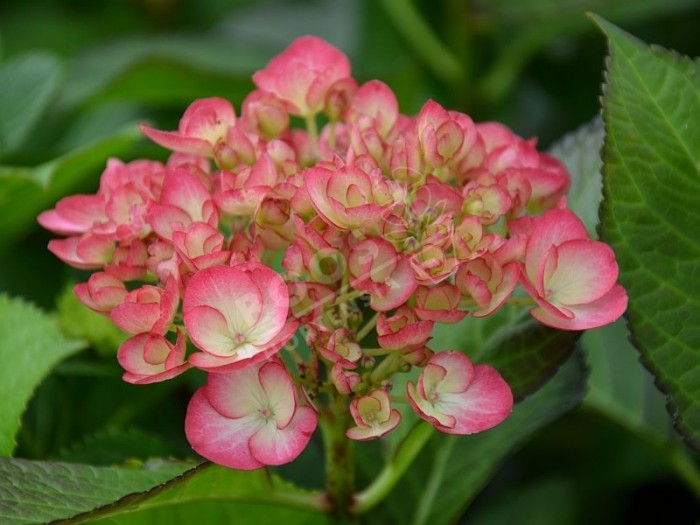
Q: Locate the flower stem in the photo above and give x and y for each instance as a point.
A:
(390, 475)
(338, 452)
(367, 328)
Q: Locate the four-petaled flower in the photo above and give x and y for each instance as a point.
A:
(249, 418)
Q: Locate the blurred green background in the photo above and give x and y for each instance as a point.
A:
(75, 75)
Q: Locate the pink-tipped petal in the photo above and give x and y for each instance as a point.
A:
(218, 438)
(603, 311)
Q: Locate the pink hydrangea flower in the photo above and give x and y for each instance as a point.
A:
(101, 292)
(459, 398)
(572, 278)
(150, 358)
(373, 416)
(376, 268)
(302, 75)
(236, 315)
(249, 418)
(349, 198)
(149, 309)
(204, 124)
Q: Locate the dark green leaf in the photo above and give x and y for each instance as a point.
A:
(212, 493)
(172, 69)
(114, 446)
(526, 353)
(30, 345)
(451, 470)
(651, 215)
(39, 492)
(27, 84)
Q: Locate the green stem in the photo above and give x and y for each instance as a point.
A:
(338, 453)
(424, 41)
(394, 469)
(386, 368)
(347, 297)
(375, 352)
(367, 328)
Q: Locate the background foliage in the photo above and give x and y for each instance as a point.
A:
(75, 75)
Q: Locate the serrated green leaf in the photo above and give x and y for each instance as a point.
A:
(40, 491)
(28, 191)
(651, 214)
(28, 83)
(623, 391)
(30, 345)
(213, 492)
(451, 471)
(619, 387)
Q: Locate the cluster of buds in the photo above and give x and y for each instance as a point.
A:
(380, 226)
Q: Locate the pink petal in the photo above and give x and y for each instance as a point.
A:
(551, 229)
(585, 271)
(236, 394)
(485, 404)
(274, 446)
(210, 332)
(174, 141)
(275, 305)
(585, 316)
(218, 438)
(228, 290)
(402, 284)
(279, 391)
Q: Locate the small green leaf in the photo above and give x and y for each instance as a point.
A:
(28, 82)
(651, 214)
(452, 470)
(28, 191)
(30, 345)
(39, 492)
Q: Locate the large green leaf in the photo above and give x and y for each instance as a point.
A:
(28, 191)
(451, 470)
(651, 215)
(212, 494)
(39, 492)
(166, 69)
(622, 390)
(30, 345)
(27, 84)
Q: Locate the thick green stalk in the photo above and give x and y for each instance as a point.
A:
(339, 457)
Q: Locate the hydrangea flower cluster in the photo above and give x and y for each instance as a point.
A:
(382, 225)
